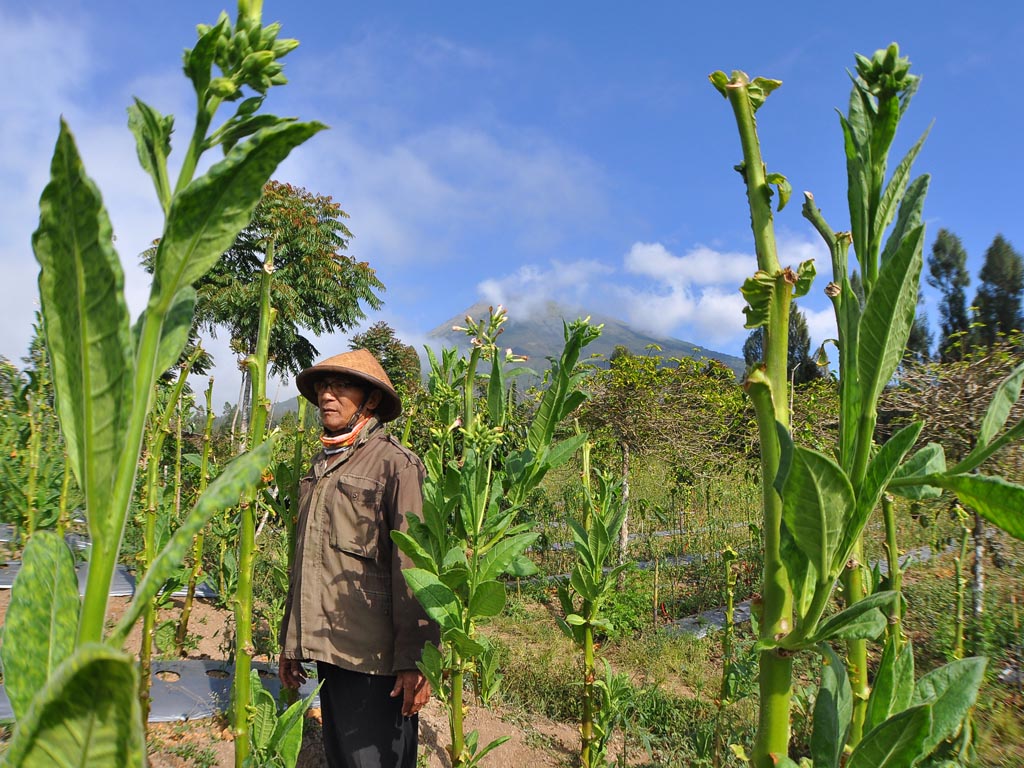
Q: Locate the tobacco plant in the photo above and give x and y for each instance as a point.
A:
(73, 692)
(469, 536)
(816, 505)
(260, 409)
(590, 583)
(181, 633)
(160, 428)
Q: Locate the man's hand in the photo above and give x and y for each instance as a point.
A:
(291, 672)
(414, 689)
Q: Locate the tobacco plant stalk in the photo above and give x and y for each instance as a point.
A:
(771, 291)
(197, 547)
(244, 649)
(160, 430)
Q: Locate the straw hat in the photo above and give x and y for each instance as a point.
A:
(361, 364)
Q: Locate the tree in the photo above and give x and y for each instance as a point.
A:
(400, 361)
(801, 366)
(685, 409)
(998, 300)
(919, 342)
(316, 286)
(947, 271)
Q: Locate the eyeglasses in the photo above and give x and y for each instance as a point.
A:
(335, 384)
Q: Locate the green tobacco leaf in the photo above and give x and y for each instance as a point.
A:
(287, 739)
(951, 691)
(833, 708)
(81, 288)
(549, 412)
(564, 450)
(897, 184)
(817, 497)
(240, 476)
(896, 743)
(759, 90)
(431, 664)
(805, 274)
(802, 575)
(784, 187)
(1003, 400)
(501, 555)
(995, 499)
(440, 603)
(467, 647)
(177, 325)
(909, 217)
(152, 133)
(893, 686)
(488, 599)
(411, 548)
(859, 620)
(857, 192)
(264, 713)
(209, 213)
(888, 317)
(39, 630)
(930, 460)
(522, 567)
(87, 714)
(720, 80)
(877, 476)
(757, 292)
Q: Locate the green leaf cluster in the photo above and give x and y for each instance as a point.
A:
(469, 537)
(75, 693)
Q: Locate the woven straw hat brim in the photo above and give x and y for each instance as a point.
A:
(360, 364)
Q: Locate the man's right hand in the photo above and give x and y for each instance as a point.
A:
(291, 672)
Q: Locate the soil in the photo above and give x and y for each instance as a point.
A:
(538, 744)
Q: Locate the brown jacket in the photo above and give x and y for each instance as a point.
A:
(348, 603)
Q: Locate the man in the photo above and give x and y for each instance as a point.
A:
(348, 607)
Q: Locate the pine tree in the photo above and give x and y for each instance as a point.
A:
(998, 300)
(947, 271)
(801, 365)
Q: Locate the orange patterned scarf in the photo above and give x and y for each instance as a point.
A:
(338, 443)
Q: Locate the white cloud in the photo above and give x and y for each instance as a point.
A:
(699, 266)
(695, 295)
(530, 287)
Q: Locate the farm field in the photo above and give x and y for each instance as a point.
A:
(631, 558)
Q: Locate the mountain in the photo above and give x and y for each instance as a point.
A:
(539, 336)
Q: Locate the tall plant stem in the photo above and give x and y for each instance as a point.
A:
(587, 723)
(34, 445)
(291, 519)
(161, 428)
(244, 649)
(892, 552)
(65, 485)
(455, 725)
(197, 547)
(961, 584)
(767, 390)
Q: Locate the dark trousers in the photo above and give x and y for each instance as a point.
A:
(363, 725)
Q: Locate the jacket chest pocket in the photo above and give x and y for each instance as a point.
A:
(355, 515)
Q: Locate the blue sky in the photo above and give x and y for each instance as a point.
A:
(515, 152)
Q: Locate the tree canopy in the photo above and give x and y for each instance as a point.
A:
(317, 288)
(400, 361)
(947, 271)
(1000, 292)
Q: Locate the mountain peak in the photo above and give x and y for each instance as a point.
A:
(535, 330)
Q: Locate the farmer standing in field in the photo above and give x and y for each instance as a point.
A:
(348, 606)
